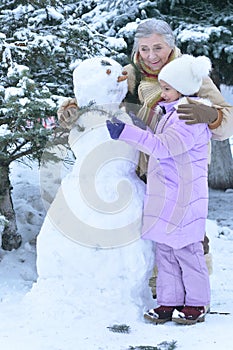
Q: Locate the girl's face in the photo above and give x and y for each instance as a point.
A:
(168, 93)
(154, 51)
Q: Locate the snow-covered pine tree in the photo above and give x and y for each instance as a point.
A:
(23, 109)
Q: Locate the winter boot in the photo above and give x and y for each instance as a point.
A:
(189, 315)
(161, 314)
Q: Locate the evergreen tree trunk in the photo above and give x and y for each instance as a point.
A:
(10, 238)
(221, 166)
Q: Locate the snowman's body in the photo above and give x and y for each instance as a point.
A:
(91, 236)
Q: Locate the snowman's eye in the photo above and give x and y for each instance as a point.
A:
(108, 71)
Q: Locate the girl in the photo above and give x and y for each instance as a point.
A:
(176, 200)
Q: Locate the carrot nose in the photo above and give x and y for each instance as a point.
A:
(122, 77)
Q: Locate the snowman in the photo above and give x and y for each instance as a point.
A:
(90, 242)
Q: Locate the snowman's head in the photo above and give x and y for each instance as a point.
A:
(100, 80)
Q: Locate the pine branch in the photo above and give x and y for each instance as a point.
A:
(119, 328)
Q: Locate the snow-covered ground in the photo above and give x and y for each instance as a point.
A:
(53, 318)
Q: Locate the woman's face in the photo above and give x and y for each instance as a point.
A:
(154, 51)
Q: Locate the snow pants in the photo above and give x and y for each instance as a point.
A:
(183, 277)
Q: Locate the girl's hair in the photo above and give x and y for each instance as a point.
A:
(153, 26)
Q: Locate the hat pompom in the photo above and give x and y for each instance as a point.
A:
(201, 67)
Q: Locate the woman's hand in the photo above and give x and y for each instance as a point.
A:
(68, 113)
(194, 113)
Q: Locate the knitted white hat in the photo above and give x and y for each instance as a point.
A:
(185, 73)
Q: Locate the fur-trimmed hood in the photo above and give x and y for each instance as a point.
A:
(184, 100)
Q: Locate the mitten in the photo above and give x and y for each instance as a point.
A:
(195, 113)
(137, 121)
(68, 113)
(115, 129)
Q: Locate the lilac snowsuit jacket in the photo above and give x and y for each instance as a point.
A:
(176, 199)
